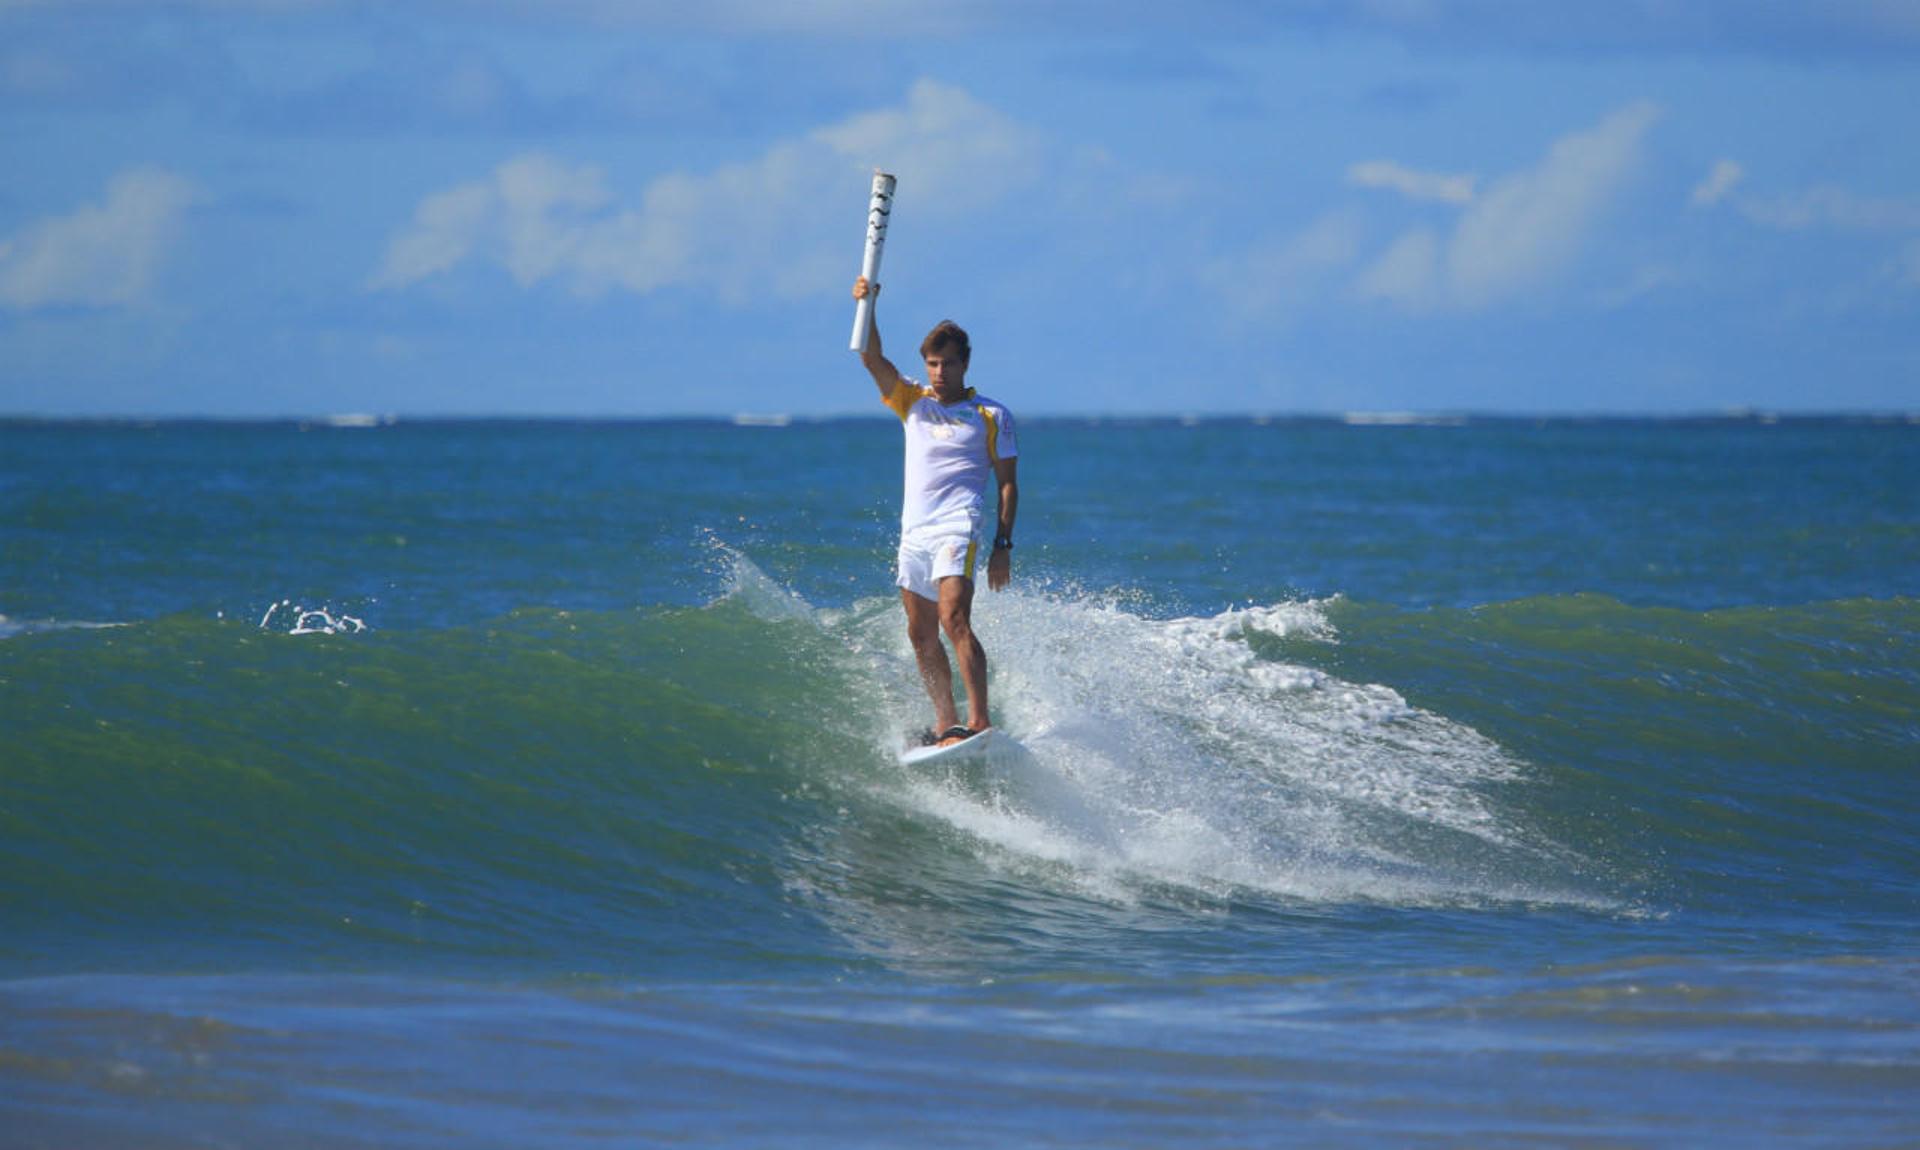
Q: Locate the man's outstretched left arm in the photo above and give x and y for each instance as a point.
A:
(1000, 563)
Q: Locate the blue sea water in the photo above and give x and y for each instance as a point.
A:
(1490, 782)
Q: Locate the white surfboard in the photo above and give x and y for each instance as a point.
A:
(985, 745)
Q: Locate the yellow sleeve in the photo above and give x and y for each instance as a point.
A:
(902, 398)
(993, 432)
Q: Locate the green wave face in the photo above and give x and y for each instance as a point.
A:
(693, 788)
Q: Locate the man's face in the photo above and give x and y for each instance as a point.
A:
(946, 371)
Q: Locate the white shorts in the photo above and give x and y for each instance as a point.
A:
(930, 554)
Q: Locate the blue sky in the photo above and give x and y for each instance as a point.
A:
(608, 208)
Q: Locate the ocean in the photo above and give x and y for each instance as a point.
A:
(1481, 782)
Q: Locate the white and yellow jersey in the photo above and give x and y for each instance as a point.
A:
(951, 450)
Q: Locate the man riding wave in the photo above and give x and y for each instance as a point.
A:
(957, 440)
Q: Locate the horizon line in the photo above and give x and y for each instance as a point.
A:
(776, 419)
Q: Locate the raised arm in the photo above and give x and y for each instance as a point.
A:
(885, 376)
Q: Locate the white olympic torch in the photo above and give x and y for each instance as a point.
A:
(878, 210)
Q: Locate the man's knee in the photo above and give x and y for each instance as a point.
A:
(957, 621)
(923, 620)
(922, 634)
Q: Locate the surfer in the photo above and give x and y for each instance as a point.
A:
(957, 439)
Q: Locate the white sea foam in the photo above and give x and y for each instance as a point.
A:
(301, 620)
(9, 628)
(1171, 752)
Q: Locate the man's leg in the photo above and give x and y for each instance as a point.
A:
(956, 619)
(923, 631)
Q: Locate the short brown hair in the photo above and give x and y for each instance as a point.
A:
(947, 334)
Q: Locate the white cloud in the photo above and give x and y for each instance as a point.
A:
(1886, 227)
(1530, 226)
(1407, 274)
(446, 229)
(1828, 211)
(1837, 208)
(1527, 229)
(1415, 185)
(1725, 176)
(778, 224)
(1646, 280)
(747, 17)
(103, 254)
(1274, 279)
